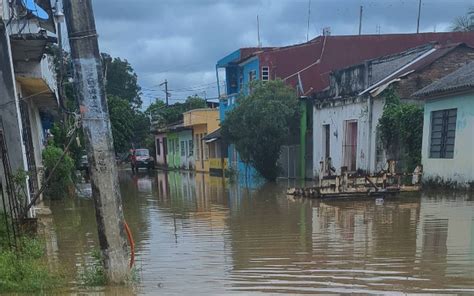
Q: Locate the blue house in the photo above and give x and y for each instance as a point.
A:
(241, 67)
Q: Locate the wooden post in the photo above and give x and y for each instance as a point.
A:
(90, 92)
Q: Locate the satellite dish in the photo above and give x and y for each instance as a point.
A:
(35, 9)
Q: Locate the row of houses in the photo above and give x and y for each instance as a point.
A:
(28, 87)
(340, 82)
(192, 144)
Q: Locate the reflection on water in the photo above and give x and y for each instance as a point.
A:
(197, 234)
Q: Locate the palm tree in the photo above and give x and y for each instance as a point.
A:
(464, 23)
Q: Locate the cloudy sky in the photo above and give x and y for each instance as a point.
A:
(181, 40)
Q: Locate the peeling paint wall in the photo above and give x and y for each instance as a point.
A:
(460, 168)
(336, 116)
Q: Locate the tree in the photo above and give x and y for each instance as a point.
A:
(163, 115)
(121, 119)
(121, 80)
(401, 130)
(464, 23)
(260, 124)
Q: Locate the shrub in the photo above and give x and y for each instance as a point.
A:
(61, 182)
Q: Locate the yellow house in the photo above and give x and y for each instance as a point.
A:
(202, 121)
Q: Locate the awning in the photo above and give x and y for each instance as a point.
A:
(214, 136)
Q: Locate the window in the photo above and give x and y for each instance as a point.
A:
(177, 145)
(265, 73)
(158, 147)
(190, 145)
(326, 141)
(443, 131)
(183, 149)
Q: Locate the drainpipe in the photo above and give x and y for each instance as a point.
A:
(370, 112)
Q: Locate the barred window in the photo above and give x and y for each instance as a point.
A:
(443, 132)
(183, 149)
(265, 73)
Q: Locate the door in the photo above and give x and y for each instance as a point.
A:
(350, 145)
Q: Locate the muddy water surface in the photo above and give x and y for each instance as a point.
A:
(197, 234)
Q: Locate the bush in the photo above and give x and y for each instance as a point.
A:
(25, 271)
(61, 182)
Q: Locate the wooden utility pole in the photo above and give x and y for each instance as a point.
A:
(165, 83)
(90, 92)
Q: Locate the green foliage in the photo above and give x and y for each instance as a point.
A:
(163, 115)
(260, 124)
(121, 114)
(464, 23)
(60, 139)
(94, 274)
(121, 80)
(401, 130)
(26, 271)
(61, 181)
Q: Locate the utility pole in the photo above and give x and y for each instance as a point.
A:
(166, 90)
(360, 19)
(259, 44)
(309, 16)
(90, 92)
(418, 19)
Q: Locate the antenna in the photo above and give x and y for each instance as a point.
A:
(418, 20)
(360, 19)
(259, 44)
(309, 15)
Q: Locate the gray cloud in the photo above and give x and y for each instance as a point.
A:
(181, 40)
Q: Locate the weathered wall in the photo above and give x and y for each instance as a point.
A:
(9, 110)
(160, 159)
(460, 168)
(336, 115)
(201, 154)
(439, 68)
(172, 154)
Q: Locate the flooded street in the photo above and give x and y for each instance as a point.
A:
(197, 234)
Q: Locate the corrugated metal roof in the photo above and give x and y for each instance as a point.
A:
(460, 80)
(336, 52)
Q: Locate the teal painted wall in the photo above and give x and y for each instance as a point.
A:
(460, 168)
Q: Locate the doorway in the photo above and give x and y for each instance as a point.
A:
(350, 145)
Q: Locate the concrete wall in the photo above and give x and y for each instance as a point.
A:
(460, 168)
(10, 111)
(336, 115)
(186, 155)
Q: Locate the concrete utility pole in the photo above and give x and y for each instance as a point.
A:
(360, 19)
(90, 92)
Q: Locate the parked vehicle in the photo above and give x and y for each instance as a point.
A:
(141, 159)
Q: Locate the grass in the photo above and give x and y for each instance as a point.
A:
(26, 271)
(94, 274)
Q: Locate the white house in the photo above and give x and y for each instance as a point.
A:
(448, 129)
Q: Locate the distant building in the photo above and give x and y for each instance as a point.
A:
(448, 128)
(346, 115)
(307, 68)
(202, 122)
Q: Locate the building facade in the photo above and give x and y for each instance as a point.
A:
(202, 122)
(346, 116)
(448, 127)
(28, 86)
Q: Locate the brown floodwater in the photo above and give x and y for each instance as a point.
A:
(197, 234)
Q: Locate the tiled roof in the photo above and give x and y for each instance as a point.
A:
(460, 80)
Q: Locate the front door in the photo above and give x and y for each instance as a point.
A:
(350, 145)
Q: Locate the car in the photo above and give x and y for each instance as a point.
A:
(141, 159)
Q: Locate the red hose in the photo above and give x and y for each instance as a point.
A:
(131, 242)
